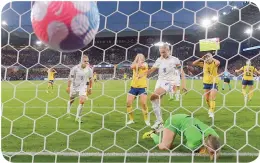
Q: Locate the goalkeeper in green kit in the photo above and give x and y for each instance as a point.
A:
(193, 132)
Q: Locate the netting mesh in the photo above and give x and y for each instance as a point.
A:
(34, 125)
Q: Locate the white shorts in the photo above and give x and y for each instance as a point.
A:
(166, 85)
(75, 92)
(177, 83)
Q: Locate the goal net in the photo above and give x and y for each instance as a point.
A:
(34, 124)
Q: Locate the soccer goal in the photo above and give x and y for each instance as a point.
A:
(34, 124)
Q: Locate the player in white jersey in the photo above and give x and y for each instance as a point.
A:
(79, 84)
(167, 65)
(177, 84)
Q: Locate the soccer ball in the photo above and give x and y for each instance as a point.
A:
(65, 25)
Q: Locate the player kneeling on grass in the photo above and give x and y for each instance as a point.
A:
(210, 80)
(248, 79)
(195, 132)
(79, 84)
(138, 88)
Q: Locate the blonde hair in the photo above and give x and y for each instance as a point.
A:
(213, 143)
(84, 57)
(165, 46)
(139, 56)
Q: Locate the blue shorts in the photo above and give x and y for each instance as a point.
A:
(247, 82)
(210, 86)
(51, 81)
(137, 91)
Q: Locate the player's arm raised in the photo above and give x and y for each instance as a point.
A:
(240, 70)
(198, 62)
(257, 71)
(54, 71)
(217, 62)
(151, 70)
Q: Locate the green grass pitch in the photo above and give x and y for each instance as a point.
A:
(33, 117)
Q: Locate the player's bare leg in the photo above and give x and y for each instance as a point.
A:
(143, 101)
(51, 87)
(250, 93)
(212, 98)
(172, 93)
(244, 93)
(206, 96)
(82, 100)
(70, 102)
(129, 101)
(177, 93)
(155, 100)
(48, 87)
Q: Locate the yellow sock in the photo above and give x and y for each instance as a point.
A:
(244, 92)
(130, 113)
(212, 105)
(207, 101)
(145, 113)
(251, 93)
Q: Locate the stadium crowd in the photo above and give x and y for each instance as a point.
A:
(115, 56)
(30, 64)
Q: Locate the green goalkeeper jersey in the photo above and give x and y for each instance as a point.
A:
(192, 128)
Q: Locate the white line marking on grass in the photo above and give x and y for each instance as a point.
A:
(119, 154)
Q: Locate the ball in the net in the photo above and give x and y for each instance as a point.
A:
(65, 25)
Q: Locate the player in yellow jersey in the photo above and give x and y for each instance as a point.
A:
(248, 79)
(51, 73)
(95, 77)
(210, 79)
(138, 88)
(125, 76)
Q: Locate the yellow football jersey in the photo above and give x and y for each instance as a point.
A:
(95, 76)
(210, 73)
(51, 75)
(125, 76)
(140, 82)
(248, 72)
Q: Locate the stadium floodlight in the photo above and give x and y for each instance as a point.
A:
(4, 23)
(234, 7)
(215, 18)
(38, 42)
(248, 31)
(206, 23)
(224, 13)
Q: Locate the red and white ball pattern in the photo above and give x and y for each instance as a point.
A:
(65, 25)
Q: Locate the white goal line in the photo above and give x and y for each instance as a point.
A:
(119, 154)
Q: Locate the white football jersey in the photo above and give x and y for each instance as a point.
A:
(167, 68)
(80, 76)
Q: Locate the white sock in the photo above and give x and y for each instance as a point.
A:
(171, 94)
(79, 110)
(157, 109)
(68, 107)
(177, 95)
